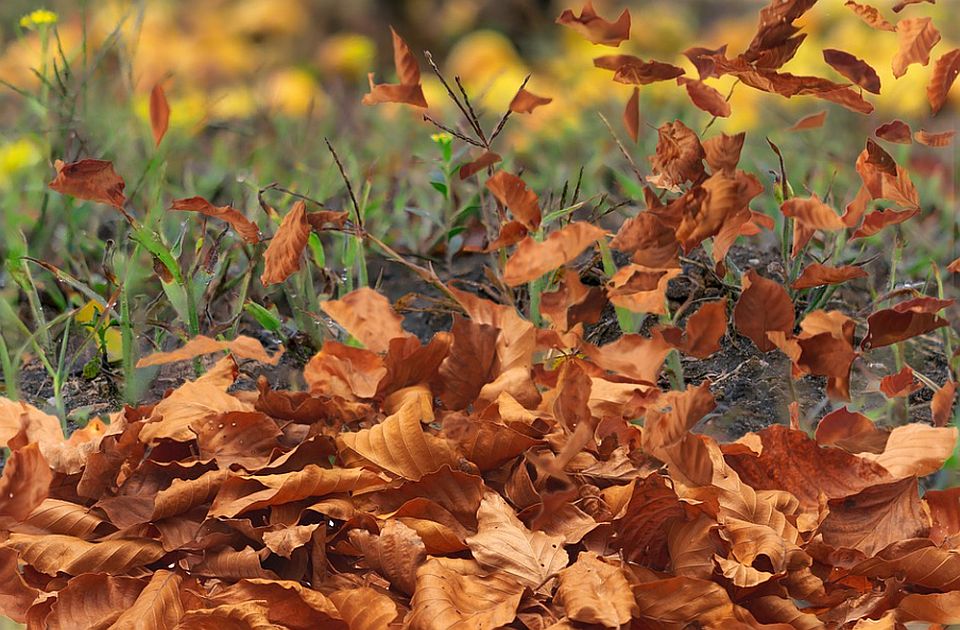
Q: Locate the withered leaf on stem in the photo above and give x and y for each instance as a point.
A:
(246, 228)
(159, 113)
(764, 306)
(92, 180)
(283, 256)
(525, 101)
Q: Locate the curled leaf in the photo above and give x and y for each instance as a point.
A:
(283, 255)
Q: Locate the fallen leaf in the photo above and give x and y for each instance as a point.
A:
(707, 98)
(945, 72)
(857, 70)
(367, 316)
(895, 131)
(813, 121)
(592, 591)
(457, 593)
(631, 115)
(704, 331)
(242, 348)
(92, 180)
(870, 15)
(915, 450)
(941, 405)
(941, 139)
(512, 192)
(817, 275)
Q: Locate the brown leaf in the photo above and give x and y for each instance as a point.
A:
(916, 450)
(52, 554)
(471, 364)
(503, 544)
(93, 600)
(915, 561)
(764, 306)
(679, 156)
(723, 152)
(817, 275)
(875, 517)
(793, 462)
(857, 70)
(592, 591)
(159, 113)
(895, 131)
(93, 180)
(649, 239)
(915, 38)
(879, 219)
(941, 139)
(813, 121)
(487, 158)
(157, 607)
(367, 316)
(707, 98)
(703, 59)
(525, 101)
(945, 72)
(244, 227)
(457, 593)
(884, 178)
(396, 553)
(284, 253)
(400, 446)
(408, 70)
(672, 602)
(24, 485)
(871, 16)
(291, 604)
(810, 214)
(242, 348)
(631, 115)
(364, 608)
(16, 596)
(594, 28)
(408, 91)
(248, 492)
(903, 321)
(903, 383)
(344, 371)
(851, 431)
(636, 71)
(533, 259)
(512, 192)
(703, 332)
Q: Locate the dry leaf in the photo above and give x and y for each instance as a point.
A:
(93, 180)
(945, 72)
(283, 255)
(596, 29)
(159, 113)
(247, 230)
(525, 101)
(915, 38)
(764, 306)
(533, 259)
(367, 316)
(242, 347)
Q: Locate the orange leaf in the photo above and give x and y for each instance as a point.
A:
(705, 97)
(879, 219)
(941, 405)
(817, 275)
(246, 228)
(533, 259)
(915, 38)
(945, 72)
(903, 383)
(592, 591)
(487, 158)
(900, 6)
(813, 121)
(704, 330)
(631, 115)
(93, 180)
(871, 16)
(903, 321)
(24, 485)
(408, 70)
(934, 139)
(242, 347)
(512, 192)
(915, 450)
(457, 593)
(52, 554)
(159, 113)
(596, 29)
(525, 101)
(283, 255)
(367, 316)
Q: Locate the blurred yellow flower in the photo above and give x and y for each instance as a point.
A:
(17, 156)
(110, 341)
(294, 91)
(38, 18)
(346, 54)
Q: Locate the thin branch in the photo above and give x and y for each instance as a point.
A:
(453, 97)
(727, 99)
(474, 119)
(452, 132)
(623, 149)
(506, 114)
(346, 180)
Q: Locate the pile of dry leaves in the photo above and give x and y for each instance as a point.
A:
(462, 484)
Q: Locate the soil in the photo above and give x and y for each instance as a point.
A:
(753, 389)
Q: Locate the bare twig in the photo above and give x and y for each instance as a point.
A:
(623, 149)
(346, 180)
(454, 98)
(474, 119)
(506, 114)
(452, 132)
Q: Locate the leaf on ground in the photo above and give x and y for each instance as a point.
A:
(242, 347)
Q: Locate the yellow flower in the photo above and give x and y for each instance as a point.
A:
(38, 18)
(17, 156)
(347, 54)
(111, 341)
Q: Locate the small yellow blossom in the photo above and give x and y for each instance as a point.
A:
(17, 156)
(38, 18)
